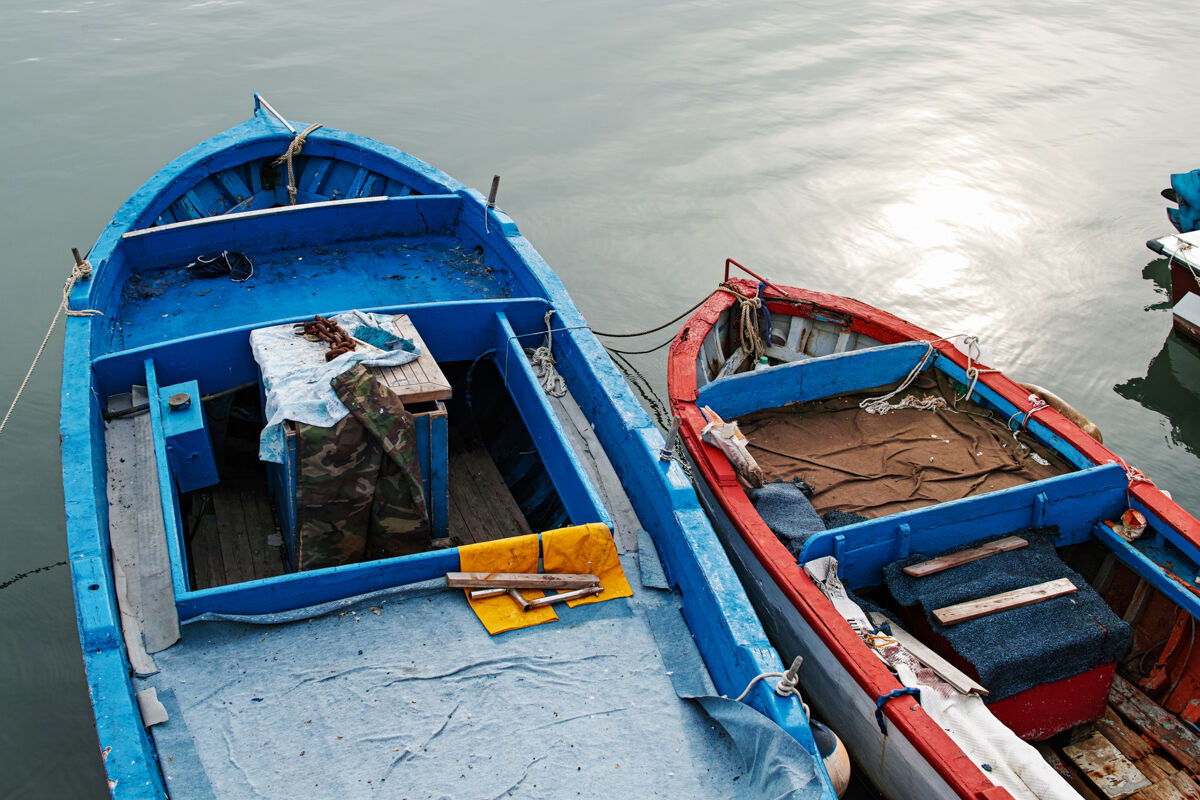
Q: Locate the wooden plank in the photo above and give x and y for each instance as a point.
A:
(485, 508)
(1112, 773)
(260, 525)
(600, 470)
(1131, 745)
(1186, 785)
(973, 609)
(942, 563)
(231, 533)
(205, 550)
(1155, 767)
(1067, 771)
(1159, 725)
(417, 381)
(943, 668)
(1176, 787)
(518, 580)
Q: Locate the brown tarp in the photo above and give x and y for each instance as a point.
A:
(875, 465)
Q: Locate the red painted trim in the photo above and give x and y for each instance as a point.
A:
(933, 743)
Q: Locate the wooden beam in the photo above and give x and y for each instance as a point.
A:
(1112, 773)
(1157, 724)
(941, 667)
(942, 563)
(518, 580)
(973, 609)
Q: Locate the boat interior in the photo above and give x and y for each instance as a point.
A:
(365, 664)
(954, 519)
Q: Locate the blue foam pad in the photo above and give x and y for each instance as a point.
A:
(1020, 648)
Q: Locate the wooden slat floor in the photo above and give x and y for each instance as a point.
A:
(230, 539)
(481, 506)
(229, 543)
(1163, 754)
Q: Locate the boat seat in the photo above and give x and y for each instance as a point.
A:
(1047, 666)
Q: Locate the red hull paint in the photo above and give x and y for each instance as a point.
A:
(1039, 713)
(930, 741)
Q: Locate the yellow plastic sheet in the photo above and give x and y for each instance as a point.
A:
(517, 554)
(586, 549)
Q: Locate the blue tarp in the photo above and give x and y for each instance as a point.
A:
(403, 693)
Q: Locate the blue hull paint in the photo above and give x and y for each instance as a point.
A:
(418, 242)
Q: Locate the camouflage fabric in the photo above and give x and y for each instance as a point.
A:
(358, 484)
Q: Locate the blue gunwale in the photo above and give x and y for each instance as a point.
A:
(725, 627)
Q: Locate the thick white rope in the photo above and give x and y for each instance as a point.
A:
(541, 360)
(293, 150)
(80, 272)
(787, 686)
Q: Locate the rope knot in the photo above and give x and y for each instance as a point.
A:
(82, 271)
(293, 150)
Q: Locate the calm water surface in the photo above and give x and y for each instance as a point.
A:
(990, 171)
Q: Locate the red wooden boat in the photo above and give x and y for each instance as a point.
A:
(775, 359)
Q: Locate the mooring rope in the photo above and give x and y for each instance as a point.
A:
(293, 150)
(80, 272)
(748, 308)
(699, 303)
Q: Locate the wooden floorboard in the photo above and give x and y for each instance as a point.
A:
(230, 540)
(1150, 738)
(481, 506)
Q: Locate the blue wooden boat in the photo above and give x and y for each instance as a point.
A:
(901, 483)
(225, 658)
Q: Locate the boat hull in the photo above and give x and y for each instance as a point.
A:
(894, 765)
(845, 678)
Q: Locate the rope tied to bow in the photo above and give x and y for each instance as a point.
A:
(81, 271)
(747, 321)
(293, 150)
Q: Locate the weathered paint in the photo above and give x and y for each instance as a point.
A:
(516, 282)
(771, 562)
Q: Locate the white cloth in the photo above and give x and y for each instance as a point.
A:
(1012, 763)
(296, 377)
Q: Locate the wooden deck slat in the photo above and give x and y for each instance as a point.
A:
(1159, 725)
(1133, 746)
(1114, 775)
(205, 551)
(234, 544)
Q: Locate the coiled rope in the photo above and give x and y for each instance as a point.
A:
(541, 360)
(80, 272)
(747, 322)
(293, 150)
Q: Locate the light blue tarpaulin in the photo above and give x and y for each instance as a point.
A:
(296, 376)
(403, 694)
